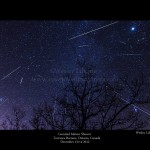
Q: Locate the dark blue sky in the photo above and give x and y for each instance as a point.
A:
(41, 50)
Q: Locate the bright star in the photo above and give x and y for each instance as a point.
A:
(133, 28)
(135, 109)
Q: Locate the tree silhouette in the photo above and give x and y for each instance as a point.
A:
(15, 120)
(36, 121)
(89, 104)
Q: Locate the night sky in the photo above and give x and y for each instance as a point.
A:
(34, 54)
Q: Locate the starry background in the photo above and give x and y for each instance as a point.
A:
(34, 54)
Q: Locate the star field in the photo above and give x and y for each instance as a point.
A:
(34, 54)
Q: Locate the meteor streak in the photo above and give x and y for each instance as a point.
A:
(123, 42)
(84, 46)
(21, 80)
(134, 106)
(131, 54)
(11, 73)
(93, 30)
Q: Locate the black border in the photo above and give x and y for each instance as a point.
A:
(74, 10)
(46, 137)
(80, 12)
